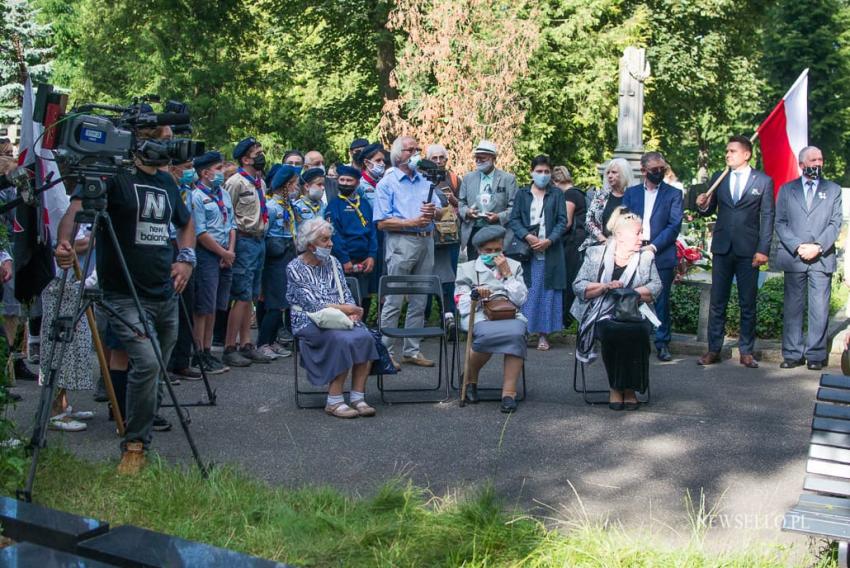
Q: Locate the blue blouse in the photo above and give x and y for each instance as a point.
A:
(313, 288)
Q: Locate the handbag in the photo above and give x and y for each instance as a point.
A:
(383, 365)
(626, 305)
(519, 249)
(332, 318)
(499, 307)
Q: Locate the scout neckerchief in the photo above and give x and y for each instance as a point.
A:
(288, 215)
(258, 185)
(215, 195)
(356, 205)
(368, 178)
(309, 203)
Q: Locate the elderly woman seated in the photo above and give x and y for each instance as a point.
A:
(493, 274)
(624, 336)
(315, 282)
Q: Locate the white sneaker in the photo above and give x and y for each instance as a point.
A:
(82, 415)
(65, 423)
(268, 351)
(280, 349)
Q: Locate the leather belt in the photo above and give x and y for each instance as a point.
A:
(249, 235)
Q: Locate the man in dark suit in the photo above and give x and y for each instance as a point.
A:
(808, 220)
(739, 246)
(660, 207)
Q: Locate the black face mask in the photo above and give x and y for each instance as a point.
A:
(655, 176)
(260, 162)
(813, 172)
(346, 190)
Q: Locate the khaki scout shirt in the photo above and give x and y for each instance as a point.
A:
(246, 205)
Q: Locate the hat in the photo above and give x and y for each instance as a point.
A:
(369, 151)
(270, 174)
(343, 170)
(358, 143)
(282, 176)
(312, 174)
(243, 147)
(486, 147)
(487, 234)
(208, 159)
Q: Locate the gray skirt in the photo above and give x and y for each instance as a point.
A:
(326, 353)
(507, 337)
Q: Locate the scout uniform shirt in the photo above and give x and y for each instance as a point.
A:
(248, 195)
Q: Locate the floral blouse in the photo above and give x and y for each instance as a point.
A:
(313, 288)
(593, 223)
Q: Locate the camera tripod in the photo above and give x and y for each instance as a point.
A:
(63, 328)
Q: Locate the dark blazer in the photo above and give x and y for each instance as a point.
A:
(555, 211)
(795, 225)
(665, 222)
(744, 228)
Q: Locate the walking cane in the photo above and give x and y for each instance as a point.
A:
(475, 297)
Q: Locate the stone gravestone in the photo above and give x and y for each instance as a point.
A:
(634, 71)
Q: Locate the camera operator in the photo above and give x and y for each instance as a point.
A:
(141, 204)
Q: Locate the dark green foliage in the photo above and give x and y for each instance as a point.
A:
(684, 309)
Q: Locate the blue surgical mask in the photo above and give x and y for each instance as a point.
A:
(188, 176)
(323, 254)
(489, 259)
(541, 180)
(414, 160)
(218, 179)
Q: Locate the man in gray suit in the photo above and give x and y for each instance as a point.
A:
(486, 196)
(808, 220)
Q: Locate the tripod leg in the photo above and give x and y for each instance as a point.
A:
(128, 279)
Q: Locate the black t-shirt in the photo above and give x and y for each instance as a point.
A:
(141, 206)
(576, 197)
(610, 206)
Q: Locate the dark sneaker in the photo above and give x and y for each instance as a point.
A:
(508, 405)
(213, 364)
(22, 372)
(234, 358)
(249, 352)
(189, 373)
(160, 424)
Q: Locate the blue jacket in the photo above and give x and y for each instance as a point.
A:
(352, 241)
(665, 222)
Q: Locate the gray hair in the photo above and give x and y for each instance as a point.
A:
(310, 231)
(649, 156)
(622, 166)
(435, 149)
(397, 148)
(802, 156)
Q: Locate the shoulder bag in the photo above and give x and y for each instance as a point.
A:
(498, 306)
(332, 318)
(519, 249)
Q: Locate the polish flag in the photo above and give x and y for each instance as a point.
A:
(785, 132)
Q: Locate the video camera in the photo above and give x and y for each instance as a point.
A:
(96, 147)
(431, 171)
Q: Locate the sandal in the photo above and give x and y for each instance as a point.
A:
(542, 345)
(362, 408)
(341, 410)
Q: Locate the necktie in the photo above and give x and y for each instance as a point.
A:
(810, 194)
(736, 188)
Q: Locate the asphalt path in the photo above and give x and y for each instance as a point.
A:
(734, 437)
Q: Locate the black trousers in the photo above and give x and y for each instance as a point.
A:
(182, 354)
(724, 268)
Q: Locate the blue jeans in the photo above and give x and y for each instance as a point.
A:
(144, 373)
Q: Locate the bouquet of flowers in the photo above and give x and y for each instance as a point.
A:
(690, 258)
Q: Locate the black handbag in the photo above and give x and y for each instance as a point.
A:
(383, 364)
(519, 249)
(626, 305)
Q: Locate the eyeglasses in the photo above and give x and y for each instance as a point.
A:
(411, 149)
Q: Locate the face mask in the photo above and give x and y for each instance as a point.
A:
(218, 179)
(188, 176)
(655, 177)
(346, 190)
(813, 172)
(541, 180)
(260, 162)
(489, 259)
(484, 167)
(323, 254)
(377, 171)
(315, 193)
(414, 161)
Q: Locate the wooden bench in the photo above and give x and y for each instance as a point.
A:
(824, 510)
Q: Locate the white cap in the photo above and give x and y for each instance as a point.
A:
(486, 147)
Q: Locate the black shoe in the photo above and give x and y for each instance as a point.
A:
(791, 363)
(22, 372)
(160, 424)
(664, 353)
(509, 405)
(616, 405)
(815, 365)
(631, 405)
(472, 393)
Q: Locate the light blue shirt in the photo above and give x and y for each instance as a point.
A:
(186, 196)
(400, 196)
(306, 209)
(279, 221)
(365, 189)
(208, 217)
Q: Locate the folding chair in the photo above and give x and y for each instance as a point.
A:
(411, 286)
(354, 286)
(456, 364)
(585, 392)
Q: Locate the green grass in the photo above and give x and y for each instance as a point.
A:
(400, 525)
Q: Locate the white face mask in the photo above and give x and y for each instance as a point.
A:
(315, 193)
(322, 253)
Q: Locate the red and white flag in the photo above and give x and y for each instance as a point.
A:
(785, 132)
